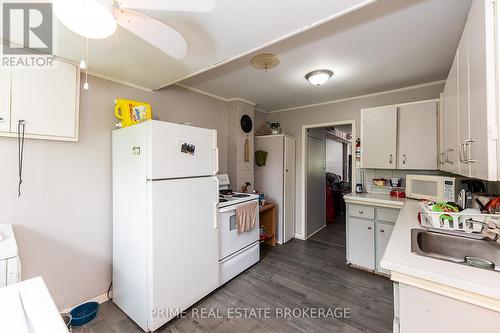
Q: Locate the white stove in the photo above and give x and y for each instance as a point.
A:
(237, 251)
(228, 197)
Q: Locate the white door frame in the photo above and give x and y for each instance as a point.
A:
(303, 171)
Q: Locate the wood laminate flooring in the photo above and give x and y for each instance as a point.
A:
(297, 275)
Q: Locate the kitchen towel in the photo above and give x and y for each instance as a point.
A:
(260, 158)
(246, 216)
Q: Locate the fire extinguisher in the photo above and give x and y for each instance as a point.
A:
(358, 152)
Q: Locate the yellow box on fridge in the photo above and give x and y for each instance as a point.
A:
(131, 112)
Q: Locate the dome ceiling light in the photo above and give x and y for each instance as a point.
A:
(319, 77)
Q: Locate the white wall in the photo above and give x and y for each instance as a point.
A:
(292, 122)
(334, 157)
(63, 220)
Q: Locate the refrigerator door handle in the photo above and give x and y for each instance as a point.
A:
(216, 161)
(216, 202)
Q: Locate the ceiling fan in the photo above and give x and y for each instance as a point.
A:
(97, 19)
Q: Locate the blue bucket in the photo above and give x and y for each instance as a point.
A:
(84, 313)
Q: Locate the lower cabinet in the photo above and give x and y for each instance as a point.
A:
(369, 229)
(383, 233)
(361, 242)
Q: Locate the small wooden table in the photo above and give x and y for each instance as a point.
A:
(267, 218)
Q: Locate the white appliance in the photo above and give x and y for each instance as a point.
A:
(434, 188)
(28, 307)
(165, 237)
(10, 266)
(237, 252)
(276, 180)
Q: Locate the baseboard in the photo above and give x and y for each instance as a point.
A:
(316, 231)
(301, 237)
(99, 299)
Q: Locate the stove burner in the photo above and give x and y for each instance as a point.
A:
(226, 192)
(240, 195)
(222, 200)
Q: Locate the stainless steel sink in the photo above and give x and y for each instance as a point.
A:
(478, 253)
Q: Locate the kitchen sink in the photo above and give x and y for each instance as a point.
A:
(478, 253)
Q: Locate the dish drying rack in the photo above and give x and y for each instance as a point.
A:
(464, 224)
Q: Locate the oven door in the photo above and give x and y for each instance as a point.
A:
(229, 239)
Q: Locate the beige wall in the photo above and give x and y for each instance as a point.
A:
(63, 221)
(292, 122)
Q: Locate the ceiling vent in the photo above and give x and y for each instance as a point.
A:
(265, 61)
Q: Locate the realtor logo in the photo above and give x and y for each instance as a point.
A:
(27, 35)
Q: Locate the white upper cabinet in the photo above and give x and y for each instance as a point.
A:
(378, 137)
(417, 148)
(451, 121)
(480, 148)
(471, 120)
(400, 136)
(442, 133)
(47, 100)
(5, 76)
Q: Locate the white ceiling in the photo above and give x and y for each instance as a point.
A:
(386, 45)
(231, 30)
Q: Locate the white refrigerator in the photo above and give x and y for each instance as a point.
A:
(165, 237)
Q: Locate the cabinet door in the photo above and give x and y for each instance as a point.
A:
(52, 107)
(361, 243)
(481, 147)
(442, 132)
(463, 100)
(418, 123)
(452, 119)
(378, 138)
(383, 233)
(5, 78)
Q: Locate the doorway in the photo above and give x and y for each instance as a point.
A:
(328, 173)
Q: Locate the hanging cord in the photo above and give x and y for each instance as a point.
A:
(21, 127)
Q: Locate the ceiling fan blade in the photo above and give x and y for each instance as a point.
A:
(157, 33)
(170, 5)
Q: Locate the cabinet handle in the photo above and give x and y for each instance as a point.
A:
(361, 212)
(461, 153)
(369, 228)
(390, 158)
(381, 230)
(450, 150)
(404, 158)
(467, 143)
(1, 119)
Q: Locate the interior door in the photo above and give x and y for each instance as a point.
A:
(316, 180)
(418, 123)
(184, 243)
(5, 84)
(378, 138)
(289, 190)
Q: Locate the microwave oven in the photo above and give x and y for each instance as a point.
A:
(434, 188)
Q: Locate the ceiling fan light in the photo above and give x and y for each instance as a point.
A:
(319, 77)
(88, 18)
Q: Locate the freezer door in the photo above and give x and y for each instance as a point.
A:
(181, 151)
(184, 245)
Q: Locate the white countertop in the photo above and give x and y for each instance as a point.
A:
(374, 199)
(27, 307)
(399, 258)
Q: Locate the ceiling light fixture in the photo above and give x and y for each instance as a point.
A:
(318, 77)
(88, 18)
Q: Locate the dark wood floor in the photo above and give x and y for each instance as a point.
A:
(300, 274)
